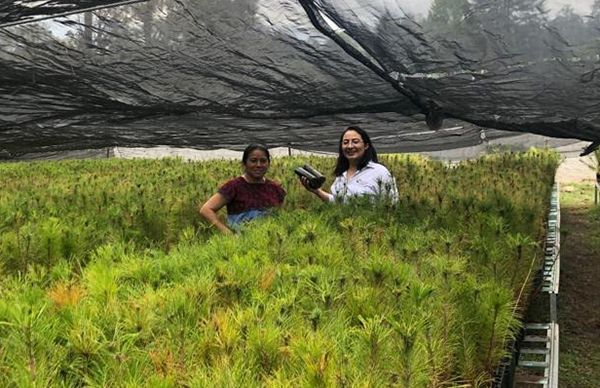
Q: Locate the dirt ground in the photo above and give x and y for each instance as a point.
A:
(575, 170)
(579, 295)
(580, 273)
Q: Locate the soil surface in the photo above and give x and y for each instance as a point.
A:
(579, 298)
(580, 273)
(579, 301)
(575, 170)
(580, 259)
(579, 294)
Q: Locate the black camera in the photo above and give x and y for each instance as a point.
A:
(315, 178)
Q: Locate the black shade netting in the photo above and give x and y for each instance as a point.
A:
(209, 74)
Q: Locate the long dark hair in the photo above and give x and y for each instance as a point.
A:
(369, 155)
(253, 147)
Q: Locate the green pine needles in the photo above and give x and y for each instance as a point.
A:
(110, 278)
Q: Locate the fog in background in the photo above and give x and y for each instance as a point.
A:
(421, 7)
(182, 72)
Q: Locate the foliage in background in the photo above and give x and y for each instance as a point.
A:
(111, 279)
(593, 161)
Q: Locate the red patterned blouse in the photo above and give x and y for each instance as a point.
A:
(242, 196)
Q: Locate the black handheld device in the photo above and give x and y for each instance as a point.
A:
(315, 178)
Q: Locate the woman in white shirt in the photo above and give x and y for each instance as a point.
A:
(357, 171)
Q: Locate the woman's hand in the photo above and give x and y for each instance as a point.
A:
(306, 183)
(322, 194)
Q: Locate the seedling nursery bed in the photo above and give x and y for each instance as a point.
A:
(110, 278)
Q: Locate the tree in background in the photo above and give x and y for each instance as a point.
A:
(511, 27)
(453, 28)
(111, 28)
(570, 26)
(594, 20)
(448, 14)
(18, 42)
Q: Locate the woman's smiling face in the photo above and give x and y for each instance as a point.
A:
(256, 165)
(353, 146)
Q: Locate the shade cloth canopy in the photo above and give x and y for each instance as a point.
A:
(418, 75)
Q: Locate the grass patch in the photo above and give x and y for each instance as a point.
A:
(577, 195)
(579, 318)
(579, 362)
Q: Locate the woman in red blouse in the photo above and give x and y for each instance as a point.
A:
(248, 196)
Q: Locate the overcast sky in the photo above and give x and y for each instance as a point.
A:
(420, 7)
(582, 7)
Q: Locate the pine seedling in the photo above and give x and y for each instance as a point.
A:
(263, 346)
(447, 238)
(227, 329)
(373, 336)
(65, 295)
(361, 301)
(86, 343)
(518, 242)
(314, 363)
(101, 282)
(407, 332)
(498, 303)
(378, 269)
(51, 240)
(28, 338)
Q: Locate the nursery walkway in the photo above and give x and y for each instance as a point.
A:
(579, 303)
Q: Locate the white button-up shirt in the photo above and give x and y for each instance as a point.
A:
(373, 179)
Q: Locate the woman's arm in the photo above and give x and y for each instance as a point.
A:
(322, 194)
(209, 212)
